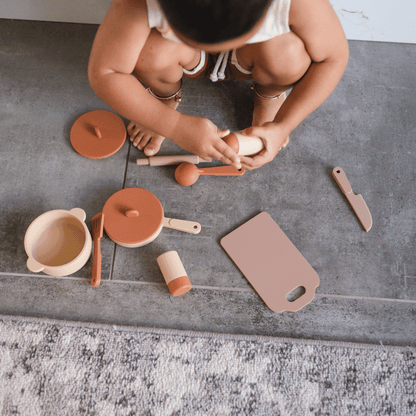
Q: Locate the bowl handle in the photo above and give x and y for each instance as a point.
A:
(79, 213)
(34, 266)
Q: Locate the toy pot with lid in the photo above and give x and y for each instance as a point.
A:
(134, 217)
(58, 242)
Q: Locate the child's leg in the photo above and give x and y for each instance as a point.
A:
(276, 65)
(160, 67)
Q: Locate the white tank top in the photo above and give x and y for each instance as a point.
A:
(276, 22)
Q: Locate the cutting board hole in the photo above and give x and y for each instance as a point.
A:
(296, 293)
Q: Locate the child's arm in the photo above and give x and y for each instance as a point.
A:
(317, 24)
(114, 55)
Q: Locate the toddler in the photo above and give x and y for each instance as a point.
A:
(279, 44)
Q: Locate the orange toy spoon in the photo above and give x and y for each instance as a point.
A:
(187, 174)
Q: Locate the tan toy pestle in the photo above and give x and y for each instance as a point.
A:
(187, 174)
(174, 273)
(134, 217)
(244, 145)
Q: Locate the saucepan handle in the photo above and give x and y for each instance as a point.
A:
(182, 225)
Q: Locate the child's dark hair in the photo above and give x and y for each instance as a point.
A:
(213, 21)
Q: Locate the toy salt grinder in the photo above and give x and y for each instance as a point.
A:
(174, 273)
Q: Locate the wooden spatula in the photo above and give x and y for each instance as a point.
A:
(97, 224)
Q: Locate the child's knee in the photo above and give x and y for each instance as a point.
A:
(159, 59)
(297, 59)
(157, 65)
(285, 63)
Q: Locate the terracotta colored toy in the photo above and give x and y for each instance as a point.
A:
(134, 217)
(97, 227)
(356, 201)
(174, 273)
(58, 242)
(168, 160)
(187, 174)
(244, 145)
(271, 263)
(98, 134)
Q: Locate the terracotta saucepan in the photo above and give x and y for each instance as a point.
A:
(134, 217)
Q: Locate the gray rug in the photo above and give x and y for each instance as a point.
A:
(67, 368)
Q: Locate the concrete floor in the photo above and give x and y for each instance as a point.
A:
(367, 289)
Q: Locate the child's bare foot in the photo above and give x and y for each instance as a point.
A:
(266, 108)
(145, 139)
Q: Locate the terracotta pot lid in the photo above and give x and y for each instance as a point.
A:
(133, 217)
(98, 134)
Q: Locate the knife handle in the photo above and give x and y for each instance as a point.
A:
(341, 179)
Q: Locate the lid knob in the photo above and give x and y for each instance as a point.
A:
(98, 132)
(132, 213)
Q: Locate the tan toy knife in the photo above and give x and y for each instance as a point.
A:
(357, 201)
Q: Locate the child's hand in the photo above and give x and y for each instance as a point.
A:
(274, 138)
(202, 137)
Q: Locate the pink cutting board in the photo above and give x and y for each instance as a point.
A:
(271, 263)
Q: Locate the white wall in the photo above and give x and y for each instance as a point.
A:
(379, 20)
(73, 11)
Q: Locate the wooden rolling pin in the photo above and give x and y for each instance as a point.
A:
(242, 145)
(168, 160)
